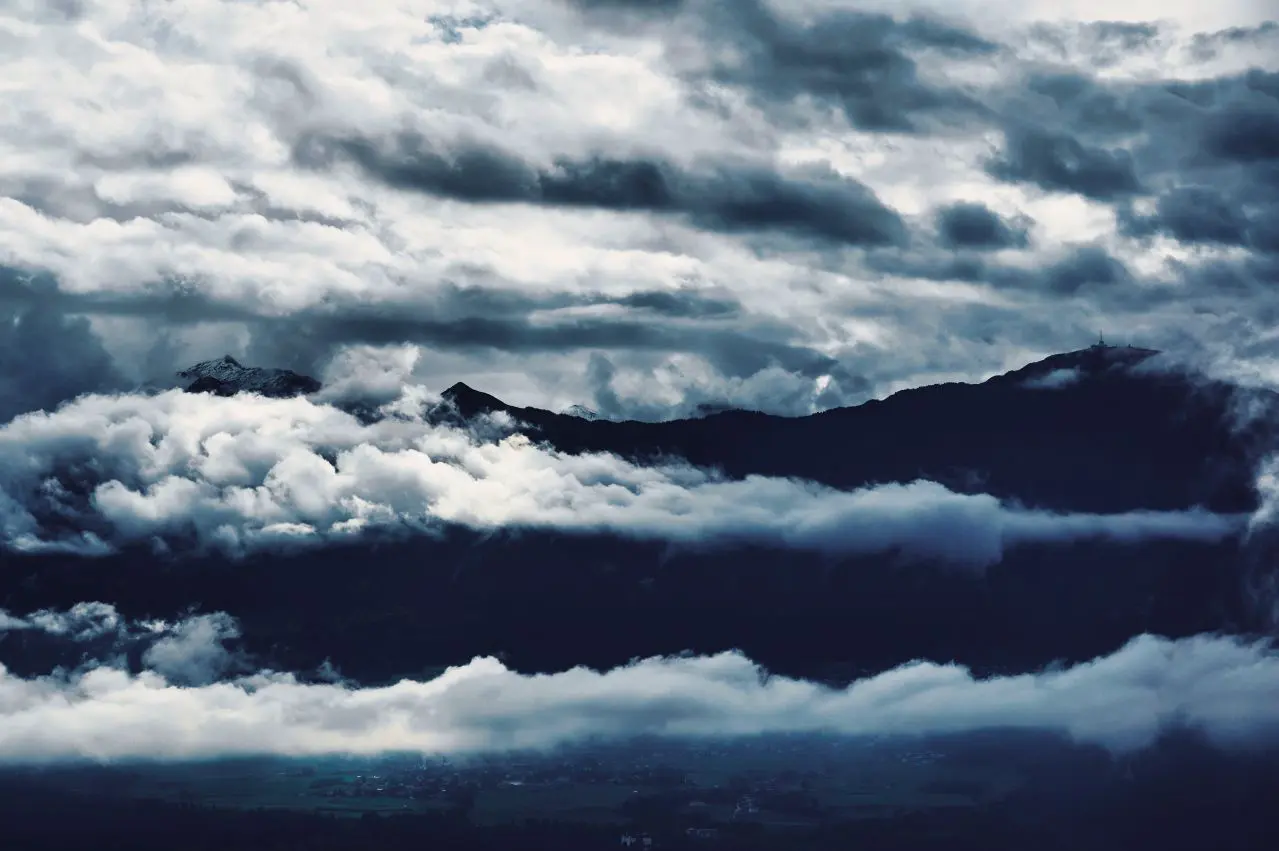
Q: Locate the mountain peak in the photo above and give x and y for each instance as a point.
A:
(1097, 359)
(581, 412)
(470, 401)
(226, 376)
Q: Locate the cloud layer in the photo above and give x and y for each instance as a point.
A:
(1227, 687)
(244, 472)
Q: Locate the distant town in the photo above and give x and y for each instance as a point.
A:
(650, 790)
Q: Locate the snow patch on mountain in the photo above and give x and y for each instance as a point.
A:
(226, 376)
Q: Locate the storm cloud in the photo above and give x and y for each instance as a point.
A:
(970, 225)
(1062, 163)
(47, 356)
(817, 202)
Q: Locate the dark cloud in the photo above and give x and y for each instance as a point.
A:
(1192, 214)
(1206, 46)
(1059, 162)
(626, 5)
(1245, 277)
(860, 63)
(1083, 270)
(1103, 43)
(46, 355)
(471, 172)
(930, 266)
(1085, 105)
(1204, 151)
(480, 321)
(1264, 230)
(1128, 35)
(1213, 148)
(1085, 266)
(682, 304)
(972, 225)
(1244, 134)
(815, 203)
(740, 351)
(600, 373)
(1201, 150)
(173, 302)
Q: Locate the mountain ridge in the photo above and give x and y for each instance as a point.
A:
(1089, 430)
(1093, 360)
(225, 376)
(1169, 437)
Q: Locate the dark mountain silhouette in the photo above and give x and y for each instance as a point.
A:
(1097, 430)
(1114, 437)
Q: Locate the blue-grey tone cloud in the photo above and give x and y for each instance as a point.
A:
(1226, 687)
(247, 472)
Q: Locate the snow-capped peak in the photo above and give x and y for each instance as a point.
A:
(226, 376)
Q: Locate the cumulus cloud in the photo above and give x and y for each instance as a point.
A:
(369, 375)
(194, 650)
(971, 225)
(1227, 687)
(82, 622)
(190, 651)
(245, 472)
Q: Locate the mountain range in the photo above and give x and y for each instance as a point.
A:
(1100, 430)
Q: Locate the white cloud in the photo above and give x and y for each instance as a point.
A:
(1054, 380)
(375, 376)
(1267, 514)
(246, 471)
(190, 651)
(1225, 686)
(82, 622)
(193, 650)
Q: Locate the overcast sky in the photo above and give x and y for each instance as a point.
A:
(640, 207)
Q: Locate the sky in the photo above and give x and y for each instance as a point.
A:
(638, 207)
(645, 208)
